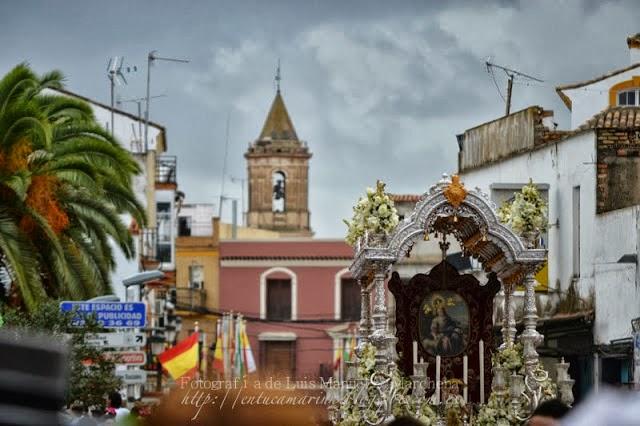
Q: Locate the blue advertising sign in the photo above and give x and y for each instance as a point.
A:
(109, 314)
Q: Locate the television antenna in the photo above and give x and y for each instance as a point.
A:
(511, 74)
(116, 76)
(151, 57)
(138, 102)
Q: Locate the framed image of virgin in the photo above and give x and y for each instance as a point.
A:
(447, 314)
(443, 323)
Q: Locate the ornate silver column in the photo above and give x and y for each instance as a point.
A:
(379, 335)
(530, 337)
(508, 318)
(365, 311)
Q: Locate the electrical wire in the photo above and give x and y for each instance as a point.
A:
(493, 77)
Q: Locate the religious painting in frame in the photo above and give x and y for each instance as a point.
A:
(444, 323)
(447, 313)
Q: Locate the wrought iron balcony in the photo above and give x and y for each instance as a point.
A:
(190, 299)
(149, 245)
(166, 170)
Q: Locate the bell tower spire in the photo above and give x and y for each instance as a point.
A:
(278, 169)
(278, 77)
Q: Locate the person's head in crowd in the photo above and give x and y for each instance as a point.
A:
(115, 400)
(405, 421)
(548, 413)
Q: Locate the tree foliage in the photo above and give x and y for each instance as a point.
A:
(64, 182)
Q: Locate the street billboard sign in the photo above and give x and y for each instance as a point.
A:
(108, 314)
(132, 377)
(121, 358)
(126, 357)
(116, 340)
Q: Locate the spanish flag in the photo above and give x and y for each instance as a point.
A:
(182, 359)
(218, 357)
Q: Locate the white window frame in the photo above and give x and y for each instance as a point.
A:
(294, 291)
(636, 90)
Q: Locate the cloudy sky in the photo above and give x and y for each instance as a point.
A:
(378, 89)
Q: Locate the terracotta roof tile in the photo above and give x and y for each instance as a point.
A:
(622, 117)
(406, 198)
(274, 249)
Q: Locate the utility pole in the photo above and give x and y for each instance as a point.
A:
(509, 89)
(224, 165)
(511, 74)
(150, 58)
(242, 183)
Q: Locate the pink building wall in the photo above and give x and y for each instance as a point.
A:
(240, 292)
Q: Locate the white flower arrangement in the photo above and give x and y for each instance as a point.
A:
(374, 213)
(496, 412)
(527, 213)
(403, 403)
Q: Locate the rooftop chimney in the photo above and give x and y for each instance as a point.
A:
(634, 48)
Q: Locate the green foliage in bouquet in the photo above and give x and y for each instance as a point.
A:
(526, 213)
(374, 213)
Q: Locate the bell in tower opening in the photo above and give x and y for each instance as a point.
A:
(279, 197)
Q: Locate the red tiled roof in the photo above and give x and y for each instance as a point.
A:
(287, 258)
(406, 198)
(277, 250)
(622, 117)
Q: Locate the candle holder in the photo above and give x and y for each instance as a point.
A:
(499, 382)
(418, 388)
(420, 369)
(562, 370)
(352, 371)
(565, 382)
(565, 388)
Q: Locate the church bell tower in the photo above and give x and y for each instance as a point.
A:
(278, 170)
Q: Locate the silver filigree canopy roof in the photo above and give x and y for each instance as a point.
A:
(449, 208)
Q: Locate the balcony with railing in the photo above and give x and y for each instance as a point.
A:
(190, 299)
(149, 248)
(166, 171)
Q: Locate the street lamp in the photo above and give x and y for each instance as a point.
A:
(156, 341)
(140, 280)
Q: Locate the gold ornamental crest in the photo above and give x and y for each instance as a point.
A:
(455, 192)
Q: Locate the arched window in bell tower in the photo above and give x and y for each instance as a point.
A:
(279, 191)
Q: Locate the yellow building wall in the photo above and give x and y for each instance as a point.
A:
(209, 259)
(244, 233)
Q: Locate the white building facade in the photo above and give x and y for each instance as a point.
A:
(590, 177)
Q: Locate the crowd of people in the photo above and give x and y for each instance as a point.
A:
(114, 412)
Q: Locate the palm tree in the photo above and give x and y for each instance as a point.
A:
(64, 184)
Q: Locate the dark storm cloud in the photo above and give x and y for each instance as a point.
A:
(378, 88)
